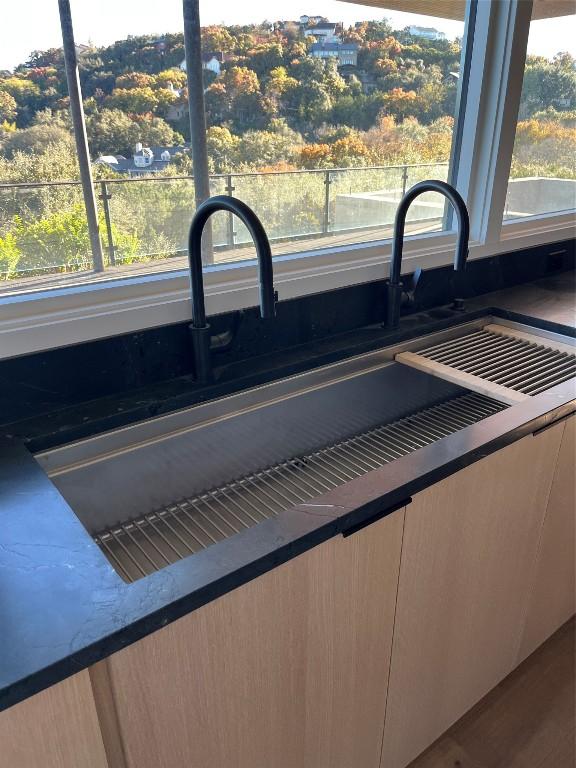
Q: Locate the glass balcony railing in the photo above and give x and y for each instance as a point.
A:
(144, 221)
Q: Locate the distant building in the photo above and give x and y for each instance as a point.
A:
(210, 61)
(429, 33)
(82, 49)
(177, 111)
(144, 160)
(346, 53)
(325, 33)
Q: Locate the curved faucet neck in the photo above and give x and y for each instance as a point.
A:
(263, 254)
(459, 205)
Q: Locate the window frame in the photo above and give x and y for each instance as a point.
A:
(35, 320)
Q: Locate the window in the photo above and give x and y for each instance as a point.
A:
(319, 123)
(543, 172)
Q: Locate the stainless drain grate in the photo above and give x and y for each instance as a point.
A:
(506, 360)
(151, 542)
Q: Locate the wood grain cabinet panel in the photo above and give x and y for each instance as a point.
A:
(470, 544)
(57, 728)
(287, 671)
(553, 598)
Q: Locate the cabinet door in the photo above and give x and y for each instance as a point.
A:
(553, 598)
(470, 544)
(57, 728)
(288, 671)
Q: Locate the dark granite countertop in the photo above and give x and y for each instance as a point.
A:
(63, 607)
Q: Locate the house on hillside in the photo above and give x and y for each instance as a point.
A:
(346, 53)
(210, 61)
(177, 111)
(324, 33)
(428, 33)
(144, 160)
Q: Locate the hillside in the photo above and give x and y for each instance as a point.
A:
(276, 99)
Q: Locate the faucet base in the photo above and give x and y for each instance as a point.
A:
(394, 296)
(201, 347)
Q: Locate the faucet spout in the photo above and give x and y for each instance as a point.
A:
(199, 328)
(460, 257)
(263, 254)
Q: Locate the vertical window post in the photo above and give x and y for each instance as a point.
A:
(197, 115)
(80, 136)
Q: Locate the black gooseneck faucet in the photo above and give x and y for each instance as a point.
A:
(199, 329)
(394, 283)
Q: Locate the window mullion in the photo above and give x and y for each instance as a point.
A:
(496, 75)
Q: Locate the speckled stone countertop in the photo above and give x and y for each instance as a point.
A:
(63, 607)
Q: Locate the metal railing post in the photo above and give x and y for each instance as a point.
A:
(105, 197)
(404, 179)
(326, 217)
(231, 234)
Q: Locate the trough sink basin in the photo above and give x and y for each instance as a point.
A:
(162, 490)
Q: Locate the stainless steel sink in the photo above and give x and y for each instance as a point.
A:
(161, 490)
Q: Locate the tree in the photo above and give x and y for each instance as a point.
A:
(217, 39)
(112, 132)
(374, 30)
(52, 57)
(332, 80)
(240, 81)
(174, 76)
(27, 95)
(135, 80)
(315, 156)
(134, 100)
(62, 238)
(222, 147)
(279, 82)
(349, 151)
(400, 102)
(37, 139)
(314, 104)
(266, 57)
(165, 97)
(216, 103)
(7, 107)
(257, 148)
(56, 162)
(547, 84)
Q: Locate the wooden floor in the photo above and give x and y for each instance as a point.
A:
(528, 721)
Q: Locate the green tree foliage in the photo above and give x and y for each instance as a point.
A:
(60, 239)
(133, 100)
(112, 131)
(173, 76)
(548, 84)
(55, 162)
(37, 139)
(8, 107)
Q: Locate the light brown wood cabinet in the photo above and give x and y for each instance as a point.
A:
(57, 728)
(356, 654)
(553, 596)
(470, 544)
(289, 670)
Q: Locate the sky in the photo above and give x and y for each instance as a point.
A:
(28, 25)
